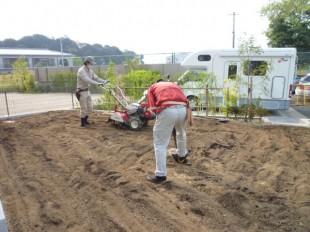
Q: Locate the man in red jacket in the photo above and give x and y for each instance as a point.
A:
(169, 102)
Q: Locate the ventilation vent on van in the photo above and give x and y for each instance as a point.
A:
(204, 57)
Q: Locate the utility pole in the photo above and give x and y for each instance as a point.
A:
(233, 40)
(62, 57)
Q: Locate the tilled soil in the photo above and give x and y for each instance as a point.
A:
(57, 176)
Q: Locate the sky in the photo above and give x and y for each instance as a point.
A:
(142, 26)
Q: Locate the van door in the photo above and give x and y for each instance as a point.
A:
(277, 88)
(232, 71)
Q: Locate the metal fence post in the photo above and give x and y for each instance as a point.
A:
(37, 74)
(207, 104)
(46, 72)
(6, 103)
(72, 89)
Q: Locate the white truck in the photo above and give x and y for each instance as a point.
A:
(228, 63)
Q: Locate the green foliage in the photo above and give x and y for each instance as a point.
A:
(78, 61)
(289, 23)
(196, 82)
(107, 102)
(133, 85)
(247, 50)
(211, 82)
(110, 74)
(136, 81)
(303, 62)
(254, 110)
(231, 96)
(261, 112)
(6, 83)
(44, 87)
(22, 77)
(62, 82)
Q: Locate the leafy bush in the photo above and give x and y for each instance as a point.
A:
(43, 87)
(133, 85)
(6, 84)
(261, 112)
(63, 82)
(231, 96)
(23, 78)
(256, 111)
(107, 102)
(136, 81)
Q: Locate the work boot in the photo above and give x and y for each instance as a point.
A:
(86, 120)
(179, 159)
(156, 179)
(83, 122)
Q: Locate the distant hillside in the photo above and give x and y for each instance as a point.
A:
(69, 46)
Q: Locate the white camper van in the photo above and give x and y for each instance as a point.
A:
(226, 63)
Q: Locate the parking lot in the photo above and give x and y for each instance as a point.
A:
(295, 116)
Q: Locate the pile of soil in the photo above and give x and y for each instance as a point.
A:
(57, 176)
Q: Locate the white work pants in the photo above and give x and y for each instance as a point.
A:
(85, 104)
(173, 116)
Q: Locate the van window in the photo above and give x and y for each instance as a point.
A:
(204, 57)
(255, 68)
(232, 71)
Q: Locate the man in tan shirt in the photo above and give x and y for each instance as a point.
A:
(86, 77)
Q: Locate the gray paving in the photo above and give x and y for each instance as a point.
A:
(295, 116)
(3, 226)
(304, 110)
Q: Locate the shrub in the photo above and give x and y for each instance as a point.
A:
(133, 85)
(261, 112)
(63, 82)
(22, 77)
(136, 81)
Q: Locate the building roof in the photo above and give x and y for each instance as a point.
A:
(31, 52)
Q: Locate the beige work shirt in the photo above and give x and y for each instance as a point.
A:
(86, 77)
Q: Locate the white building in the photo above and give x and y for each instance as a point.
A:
(34, 57)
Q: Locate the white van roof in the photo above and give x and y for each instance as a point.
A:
(194, 59)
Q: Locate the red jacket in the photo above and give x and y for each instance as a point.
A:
(162, 92)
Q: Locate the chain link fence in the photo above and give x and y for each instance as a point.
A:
(51, 97)
(14, 104)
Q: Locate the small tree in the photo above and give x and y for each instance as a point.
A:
(248, 49)
(107, 102)
(23, 78)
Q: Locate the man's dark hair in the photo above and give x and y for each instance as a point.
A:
(159, 80)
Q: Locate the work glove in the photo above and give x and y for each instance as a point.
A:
(103, 83)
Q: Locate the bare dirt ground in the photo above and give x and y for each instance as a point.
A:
(56, 176)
